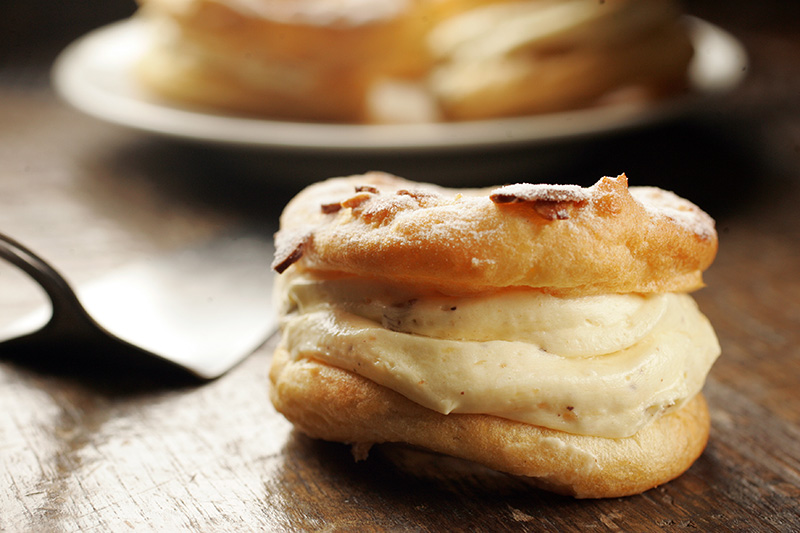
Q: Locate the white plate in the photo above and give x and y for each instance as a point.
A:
(94, 75)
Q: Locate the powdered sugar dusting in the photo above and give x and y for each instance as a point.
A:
(528, 192)
(660, 203)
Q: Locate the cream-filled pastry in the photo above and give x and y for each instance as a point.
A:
(379, 61)
(549, 327)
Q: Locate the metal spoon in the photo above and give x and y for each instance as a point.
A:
(203, 309)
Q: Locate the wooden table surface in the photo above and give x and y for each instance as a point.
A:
(96, 449)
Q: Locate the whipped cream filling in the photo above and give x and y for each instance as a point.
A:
(596, 365)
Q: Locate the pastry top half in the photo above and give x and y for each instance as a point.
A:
(563, 239)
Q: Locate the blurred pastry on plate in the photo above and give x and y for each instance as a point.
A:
(379, 61)
(540, 56)
(544, 331)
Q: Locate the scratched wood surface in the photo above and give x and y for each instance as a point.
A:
(94, 448)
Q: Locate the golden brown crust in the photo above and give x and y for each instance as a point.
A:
(563, 239)
(333, 404)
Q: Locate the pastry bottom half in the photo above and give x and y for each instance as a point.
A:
(332, 404)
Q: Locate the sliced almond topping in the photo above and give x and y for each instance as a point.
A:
(367, 188)
(331, 208)
(552, 210)
(289, 249)
(357, 200)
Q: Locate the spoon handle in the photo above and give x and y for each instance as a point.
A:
(58, 290)
(70, 337)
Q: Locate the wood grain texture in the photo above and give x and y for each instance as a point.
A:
(85, 448)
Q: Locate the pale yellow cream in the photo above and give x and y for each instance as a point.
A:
(596, 365)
